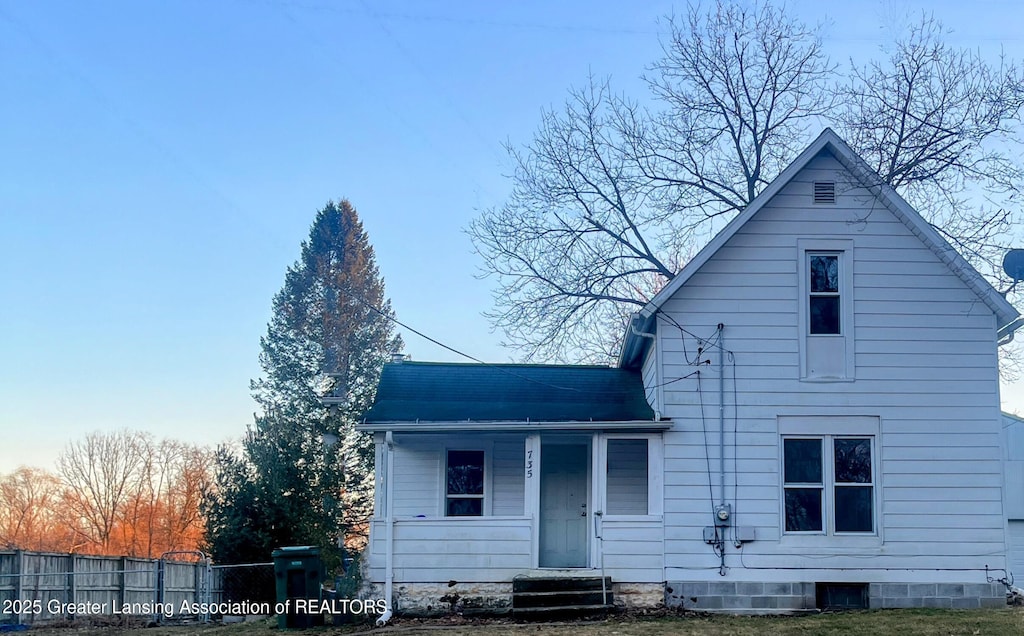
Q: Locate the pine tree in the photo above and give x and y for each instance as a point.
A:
(328, 334)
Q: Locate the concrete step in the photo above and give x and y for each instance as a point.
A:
(562, 598)
(559, 584)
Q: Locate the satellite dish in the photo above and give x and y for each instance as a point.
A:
(1013, 264)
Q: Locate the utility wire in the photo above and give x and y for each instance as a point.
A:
(501, 367)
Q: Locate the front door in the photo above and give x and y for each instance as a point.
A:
(563, 506)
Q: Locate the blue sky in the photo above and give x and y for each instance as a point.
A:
(161, 163)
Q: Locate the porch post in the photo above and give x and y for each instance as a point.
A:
(531, 499)
(598, 462)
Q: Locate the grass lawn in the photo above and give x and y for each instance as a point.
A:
(867, 623)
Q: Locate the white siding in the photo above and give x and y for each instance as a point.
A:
(925, 367)
(429, 547)
(634, 551)
(419, 472)
(417, 475)
(466, 549)
(508, 483)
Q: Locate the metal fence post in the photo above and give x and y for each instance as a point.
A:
(19, 567)
(72, 585)
(206, 573)
(159, 586)
(123, 587)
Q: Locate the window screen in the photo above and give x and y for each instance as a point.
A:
(627, 478)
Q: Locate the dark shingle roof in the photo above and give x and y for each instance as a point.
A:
(449, 392)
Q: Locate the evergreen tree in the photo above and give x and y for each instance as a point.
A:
(328, 335)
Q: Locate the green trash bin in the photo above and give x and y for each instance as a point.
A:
(298, 572)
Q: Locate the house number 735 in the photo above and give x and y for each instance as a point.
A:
(529, 464)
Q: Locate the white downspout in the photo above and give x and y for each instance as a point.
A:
(389, 528)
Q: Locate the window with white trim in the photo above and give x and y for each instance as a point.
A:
(828, 484)
(630, 481)
(464, 483)
(825, 281)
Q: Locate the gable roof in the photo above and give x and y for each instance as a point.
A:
(634, 346)
(454, 392)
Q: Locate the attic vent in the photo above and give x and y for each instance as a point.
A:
(824, 191)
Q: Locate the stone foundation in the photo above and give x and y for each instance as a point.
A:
(492, 599)
(439, 599)
(769, 598)
(638, 595)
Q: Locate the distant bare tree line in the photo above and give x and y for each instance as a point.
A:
(113, 493)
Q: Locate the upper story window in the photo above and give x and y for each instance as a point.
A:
(824, 295)
(464, 478)
(826, 317)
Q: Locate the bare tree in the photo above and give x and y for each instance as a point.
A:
(610, 198)
(28, 499)
(739, 88)
(578, 240)
(101, 473)
(160, 511)
(188, 481)
(934, 122)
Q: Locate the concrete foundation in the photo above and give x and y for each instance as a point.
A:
(770, 598)
(947, 595)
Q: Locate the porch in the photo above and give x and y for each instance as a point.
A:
(488, 508)
(487, 474)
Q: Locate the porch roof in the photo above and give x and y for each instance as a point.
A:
(413, 392)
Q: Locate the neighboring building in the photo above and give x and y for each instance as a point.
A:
(821, 428)
(1013, 449)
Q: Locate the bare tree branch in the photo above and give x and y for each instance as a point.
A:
(933, 121)
(611, 196)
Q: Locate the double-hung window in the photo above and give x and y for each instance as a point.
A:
(828, 484)
(826, 329)
(464, 483)
(824, 299)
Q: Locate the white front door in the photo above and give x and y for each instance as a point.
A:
(563, 505)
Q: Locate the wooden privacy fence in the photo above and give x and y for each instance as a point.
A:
(45, 586)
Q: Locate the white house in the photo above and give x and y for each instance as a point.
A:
(806, 416)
